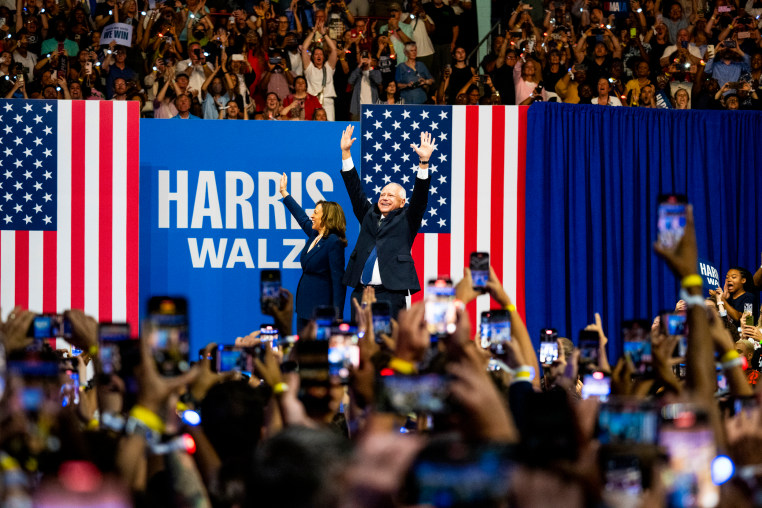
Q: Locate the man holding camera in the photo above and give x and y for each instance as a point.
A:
(196, 67)
(399, 33)
(381, 258)
(365, 81)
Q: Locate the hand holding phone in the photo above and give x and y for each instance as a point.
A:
(671, 220)
(548, 346)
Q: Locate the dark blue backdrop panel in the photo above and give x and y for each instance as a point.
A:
(232, 198)
(593, 177)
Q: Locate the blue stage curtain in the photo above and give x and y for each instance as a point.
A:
(593, 177)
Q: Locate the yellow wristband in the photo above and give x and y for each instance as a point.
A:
(401, 366)
(93, 350)
(280, 388)
(510, 307)
(149, 418)
(93, 424)
(692, 281)
(729, 356)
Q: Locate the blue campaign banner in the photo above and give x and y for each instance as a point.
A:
(211, 215)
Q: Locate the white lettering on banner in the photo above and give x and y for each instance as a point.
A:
(206, 190)
(213, 254)
(266, 200)
(263, 262)
(298, 245)
(180, 197)
(240, 253)
(207, 250)
(312, 190)
(711, 274)
(295, 182)
(234, 200)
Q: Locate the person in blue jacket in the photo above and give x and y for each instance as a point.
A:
(322, 258)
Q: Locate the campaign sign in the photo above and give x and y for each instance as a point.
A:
(212, 217)
(710, 275)
(121, 33)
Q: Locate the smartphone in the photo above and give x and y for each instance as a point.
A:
(343, 353)
(69, 391)
(596, 385)
(588, 343)
(402, 395)
(723, 8)
(637, 344)
(670, 223)
(495, 330)
(673, 323)
(625, 421)
(451, 474)
(382, 319)
(89, 68)
(269, 288)
(276, 60)
(685, 433)
(439, 307)
(325, 318)
(166, 329)
(729, 43)
(269, 335)
(623, 480)
(111, 340)
(233, 358)
(548, 346)
(479, 265)
(50, 326)
(312, 356)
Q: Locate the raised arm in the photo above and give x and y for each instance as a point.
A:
(297, 211)
(360, 205)
(420, 197)
(306, 48)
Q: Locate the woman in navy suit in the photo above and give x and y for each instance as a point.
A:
(322, 258)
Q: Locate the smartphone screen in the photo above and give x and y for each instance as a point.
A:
(479, 266)
(268, 335)
(425, 393)
(485, 329)
(670, 223)
(499, 330)
(111, 337)
(440, 311)
(312, 356)
(623, 480)
(166, 330)
(234, 358)
(587, 343)
(637, 344)
(343, 352)
(325, 317)
(50, 326)
(628, 422)
(382, 319)
(548, 346)
(685, 433)
(673, 323)
(269, 288)
(596, 385)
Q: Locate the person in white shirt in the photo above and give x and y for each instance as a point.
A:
(604, 95)
(319, 69)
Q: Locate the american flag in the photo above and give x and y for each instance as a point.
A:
(69, 188)
(477, 195)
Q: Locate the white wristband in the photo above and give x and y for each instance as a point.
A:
(692, 300)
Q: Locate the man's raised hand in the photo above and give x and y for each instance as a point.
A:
(423, 150)
(347, 140)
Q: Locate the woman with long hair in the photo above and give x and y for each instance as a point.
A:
(322, 258)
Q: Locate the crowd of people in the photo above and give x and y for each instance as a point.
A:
(323, 59)
(427, 409)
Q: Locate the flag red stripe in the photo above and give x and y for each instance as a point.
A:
(78, 133)
(22, 269)
(497, 191)
(49, 271)
(443, 253)
(471, 194)
(520, 211)
(105, 218)
(133, 218)
(419, 258)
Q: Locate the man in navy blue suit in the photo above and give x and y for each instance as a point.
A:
(381, 258)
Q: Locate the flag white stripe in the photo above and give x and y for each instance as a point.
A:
(431, 270)
(63, 212)
(458, 205)
(119, 222)
(35, 271)
(484, 190)
(8, 267)
(510, 194)
(92, 210)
